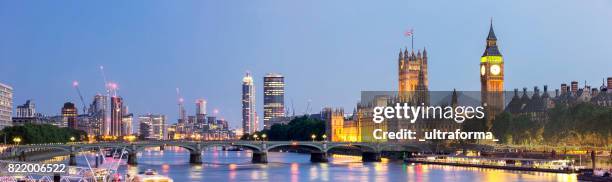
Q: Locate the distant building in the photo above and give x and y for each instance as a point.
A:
(27, 110)
(126, 124)
(280, 120)
(116, 116)
(6, 105)
(535, 106)
(152, 127)
(26, 113)
(69, 115)
(249, 118)
(274, 98)
(200, 111)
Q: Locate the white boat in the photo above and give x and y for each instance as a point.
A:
(149, 175)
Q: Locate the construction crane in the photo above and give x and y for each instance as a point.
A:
(75, 84)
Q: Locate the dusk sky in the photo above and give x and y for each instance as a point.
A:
(328, 51)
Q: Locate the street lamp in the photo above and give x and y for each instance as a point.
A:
(255, 136)
(17, 140)
(324, 137)
(263, 136)
(72, 139)
(313, 136)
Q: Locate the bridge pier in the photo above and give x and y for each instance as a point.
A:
(370, 157)
(318, 157)
(132, 159)
(195, 157)
(260, 157)
(72, 160)
(162, 147)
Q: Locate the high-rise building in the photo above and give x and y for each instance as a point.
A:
(97, 111)
(249, 122)
(116, 115)
(492, 78)
(6, 105)
(152, 126)
(200, 111)
(126, 124)
(69, 115)
(274, 98)
(27, 110)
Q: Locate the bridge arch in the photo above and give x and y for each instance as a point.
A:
(306, 145)
(361, 147)
(252, 147)
(22, 149)
(141, 147)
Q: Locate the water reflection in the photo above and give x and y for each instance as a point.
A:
(236, 166)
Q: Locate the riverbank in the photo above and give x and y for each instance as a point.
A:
(515, 168)
(39, 155)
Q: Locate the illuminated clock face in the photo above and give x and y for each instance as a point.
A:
(482, 70)
(495, 69)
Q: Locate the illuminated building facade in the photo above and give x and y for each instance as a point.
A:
(116, 115)
(411, 68)
(6, 105)
(99, 118)
(249, 118)
(126, 124)
(69, 115)
(492, 79)
(152, 127)
(338, 128)
(274, 98)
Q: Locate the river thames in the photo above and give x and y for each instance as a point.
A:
(236, 166)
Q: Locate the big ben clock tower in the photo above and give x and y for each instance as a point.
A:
(492, 79)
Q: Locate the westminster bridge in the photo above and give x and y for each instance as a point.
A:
(371, 151)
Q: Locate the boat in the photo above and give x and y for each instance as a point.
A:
(149, 175)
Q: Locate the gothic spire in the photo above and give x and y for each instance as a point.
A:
(491, 32)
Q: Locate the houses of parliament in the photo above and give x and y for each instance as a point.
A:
(413, 87)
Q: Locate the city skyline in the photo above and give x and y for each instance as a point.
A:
(530, 53)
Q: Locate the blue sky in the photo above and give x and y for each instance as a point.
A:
(329, 51)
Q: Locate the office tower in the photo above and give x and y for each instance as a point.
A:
(69, 115)
(97, 111)
(6, 105)
(200, 111)
(126, 124)
(152, 126)
(116, 115)
(492, 78)
(249, 124)
(274, 98)
(27, 110)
